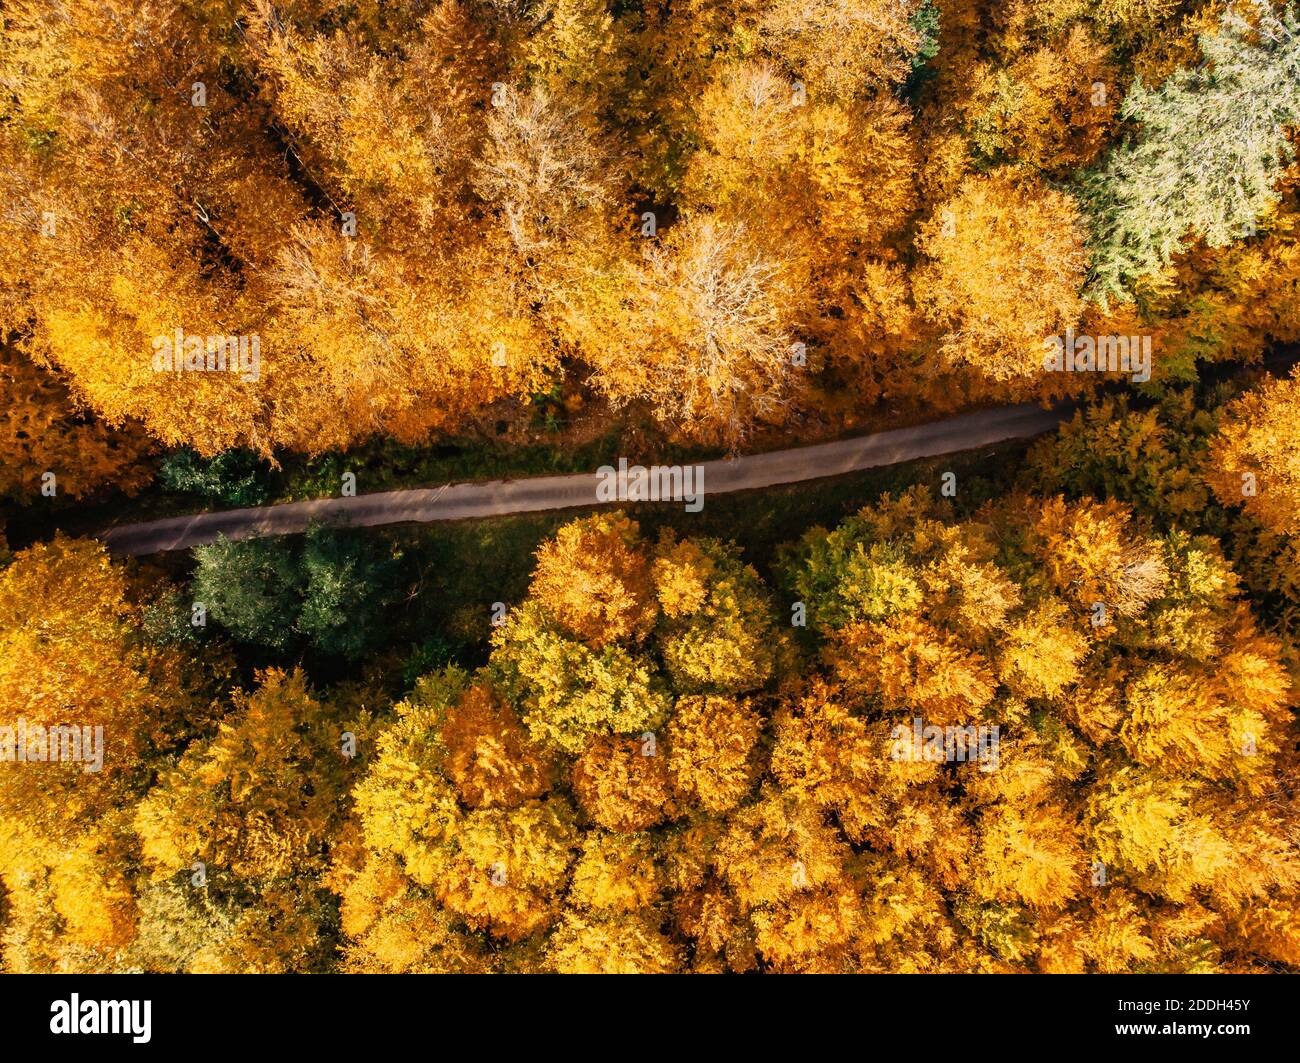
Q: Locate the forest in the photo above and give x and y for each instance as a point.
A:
(1030, 708)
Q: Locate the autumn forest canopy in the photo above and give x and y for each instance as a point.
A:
(1031, 709)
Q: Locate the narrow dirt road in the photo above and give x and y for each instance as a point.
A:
(495, 498)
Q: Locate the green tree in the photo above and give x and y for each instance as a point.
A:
(1213, 142)
(330, 589)
(253, 588)
(233, 477)
(348, 582)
